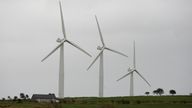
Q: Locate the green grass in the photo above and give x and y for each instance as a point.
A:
(128, 106)
(108, 102)
(130, 100)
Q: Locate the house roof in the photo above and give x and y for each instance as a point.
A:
(43, 96)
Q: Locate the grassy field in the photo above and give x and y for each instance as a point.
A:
(109, 102)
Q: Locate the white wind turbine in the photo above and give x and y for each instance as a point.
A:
(61, 46)
(131, 71)
(101, 74)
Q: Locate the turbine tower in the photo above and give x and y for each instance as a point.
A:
(61, 63)
(102, 48)
(131, 71)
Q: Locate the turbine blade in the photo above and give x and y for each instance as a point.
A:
(134, 57)
(143, 78)
(125, 75)
(99, 30)
(116, 52)
(52, 51)
(62, 20)
(75, 45)
(95, 59)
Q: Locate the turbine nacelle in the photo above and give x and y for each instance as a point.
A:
(99, 48)
(59, 40)
(129, 69)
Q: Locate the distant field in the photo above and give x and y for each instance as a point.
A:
(109, 102)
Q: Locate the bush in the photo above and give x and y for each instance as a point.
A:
(138, 102)
(19, 101)
(125, 101)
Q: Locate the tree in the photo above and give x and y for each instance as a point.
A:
(160, 91)
(155, 92)
(27, 96)
(147, 93)
(9, 97)
(3, 99)
(172, 92)
(15, 98)
(22, 96)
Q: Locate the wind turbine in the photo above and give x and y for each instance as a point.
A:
(131, 71)
(102, 48)
(61, 63)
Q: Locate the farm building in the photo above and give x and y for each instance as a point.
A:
(44, 97)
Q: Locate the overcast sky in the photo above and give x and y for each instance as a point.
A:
(162, 30)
